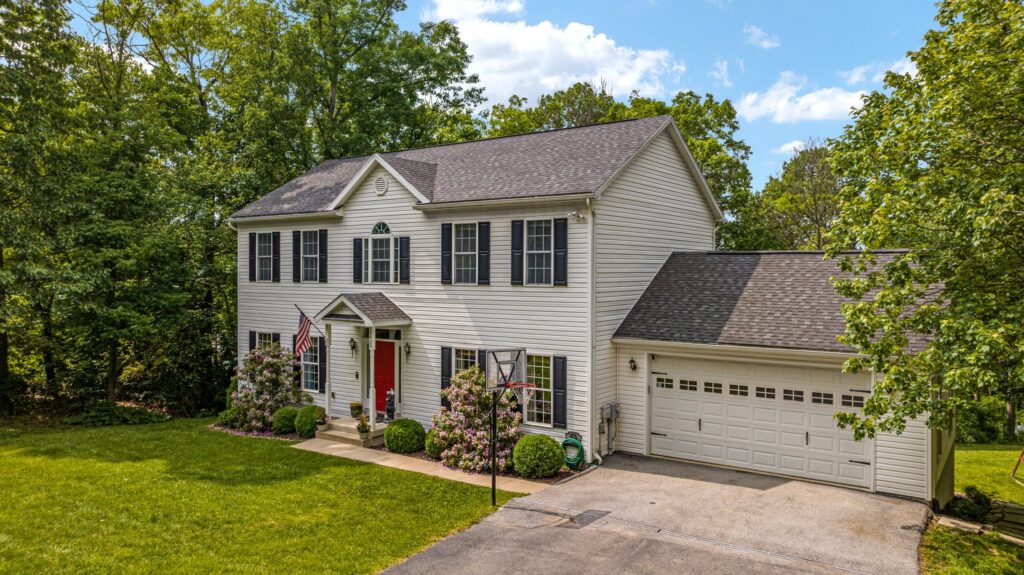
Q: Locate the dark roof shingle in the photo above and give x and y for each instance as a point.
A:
(376, 306)
(762, 299)
(557, 162)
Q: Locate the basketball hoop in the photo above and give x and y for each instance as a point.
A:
(505, 370)
(522, 390)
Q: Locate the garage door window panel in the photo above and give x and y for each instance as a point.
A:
(711, 387)
(792, 395)
(687, 385)
(853, 400)
(740, 390)
(765, 392)
(821, 398)
(663, 383)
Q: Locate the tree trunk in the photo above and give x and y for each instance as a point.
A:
(1011, 420)
(49, 360)
(6, 387)
(112, 361)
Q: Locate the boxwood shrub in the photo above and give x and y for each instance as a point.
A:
(537, 456)
(305, 422)
(432, 446)
(284, 421)
(404, 436)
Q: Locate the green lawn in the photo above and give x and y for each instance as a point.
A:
(988, 468)
(175, 497)
(946, 551)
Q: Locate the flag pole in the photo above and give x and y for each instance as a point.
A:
(310, 320)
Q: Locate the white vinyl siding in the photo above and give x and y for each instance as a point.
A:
(310, 256)
(901, 461)
(553, 322)
(652, 209)
(539, 254)
(311, 366)
(465, 253)
(264, 257)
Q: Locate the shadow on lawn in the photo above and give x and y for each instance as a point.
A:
(186, 447)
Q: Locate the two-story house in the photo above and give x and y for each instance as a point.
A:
(413, 263)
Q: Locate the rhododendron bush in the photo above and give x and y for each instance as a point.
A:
(266, 383)
(464, 428)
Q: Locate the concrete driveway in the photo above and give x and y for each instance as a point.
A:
(645, 515)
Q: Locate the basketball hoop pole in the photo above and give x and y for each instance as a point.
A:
(494, 447)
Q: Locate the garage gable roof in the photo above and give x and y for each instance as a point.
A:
(762, 299)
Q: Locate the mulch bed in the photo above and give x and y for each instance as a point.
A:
(258, 434)
(562, 475)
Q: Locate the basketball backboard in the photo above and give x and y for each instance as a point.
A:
(504, 367)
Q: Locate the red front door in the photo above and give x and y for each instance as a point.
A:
(384, 372)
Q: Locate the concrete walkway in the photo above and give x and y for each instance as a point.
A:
(398, 461)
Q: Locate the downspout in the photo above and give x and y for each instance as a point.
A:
(591, 311)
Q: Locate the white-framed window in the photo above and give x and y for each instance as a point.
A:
(539, 251)
(465, 253)
(310, 256)
(380, 256)
(264, 257)
(538, 372)
(311, 365)
(463, 359)
(264, 339)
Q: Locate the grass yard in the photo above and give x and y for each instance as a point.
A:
(988, 468)
(177, 498)
(946, 551)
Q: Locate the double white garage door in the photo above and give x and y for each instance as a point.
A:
(772, 418)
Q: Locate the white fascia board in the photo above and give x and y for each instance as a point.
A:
(374, 161)
(529, 200)
(283, 217)
(739, 352)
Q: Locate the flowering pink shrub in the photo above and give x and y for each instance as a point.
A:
(464, 428)
(266, 383)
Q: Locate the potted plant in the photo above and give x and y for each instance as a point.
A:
(323, 421)
(355, 409)
(363, 427)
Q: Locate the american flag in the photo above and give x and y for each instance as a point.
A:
(302, 341)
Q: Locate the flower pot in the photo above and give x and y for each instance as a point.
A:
(323, 426)
(364, 435)
(355, 413)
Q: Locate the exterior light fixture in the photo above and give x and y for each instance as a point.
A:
(352, 345)
(408, 349)
(632, 364)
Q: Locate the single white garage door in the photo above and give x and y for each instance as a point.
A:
(771, 418)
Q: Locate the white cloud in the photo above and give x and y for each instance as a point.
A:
(783, 102)
(876, 71)
(721, 73)
(512, 56)
(758, 37)
(790, 147)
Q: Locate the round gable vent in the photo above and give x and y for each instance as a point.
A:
(380, 185)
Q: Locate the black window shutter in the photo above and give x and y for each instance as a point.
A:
(322, 356)
(277, 256)
(297, 370)
(481, 360)
(517, 252)
(252, 340)
(403, 259)
(275, 337)
(561, 271)
(558, 373)
(323, 256)
(446, 372)
(446, 253)
(296, 256)
(357, 260)
(483, 254)
(252, 257)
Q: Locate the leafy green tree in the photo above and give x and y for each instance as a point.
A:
(802, 202)
(934, 165)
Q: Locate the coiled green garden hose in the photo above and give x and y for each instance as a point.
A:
(573, 461)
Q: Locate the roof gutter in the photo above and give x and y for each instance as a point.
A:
(743, 353)
(233, 221)
(533, 200)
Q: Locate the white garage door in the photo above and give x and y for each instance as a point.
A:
(771, 418)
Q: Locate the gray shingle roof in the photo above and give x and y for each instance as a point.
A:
(557, 162)
(376, 306)
(762, 299)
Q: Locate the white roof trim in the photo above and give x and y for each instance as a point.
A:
(748, 353)
(341, 299)
(677, 138)
(375, 160)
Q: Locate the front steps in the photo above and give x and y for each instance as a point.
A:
(344, 431)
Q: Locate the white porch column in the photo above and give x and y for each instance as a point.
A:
(373, 389)
(327, 363)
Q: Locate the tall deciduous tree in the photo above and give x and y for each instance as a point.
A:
(802, 202)
(934, 165)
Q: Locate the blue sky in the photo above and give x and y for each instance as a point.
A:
(792, 68)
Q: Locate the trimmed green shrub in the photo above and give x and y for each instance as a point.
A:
(537, 456)
(229, 417)
(283, 421)
(975, 505)
(305, 422)
(266, 383)
(432, 446)
(404, 436)
(463, 428)
(111, 414)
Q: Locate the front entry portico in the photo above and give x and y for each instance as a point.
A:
(376, 323)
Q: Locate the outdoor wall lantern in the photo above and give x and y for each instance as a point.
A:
(407, 349)
(632, 364)
(352, 345)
